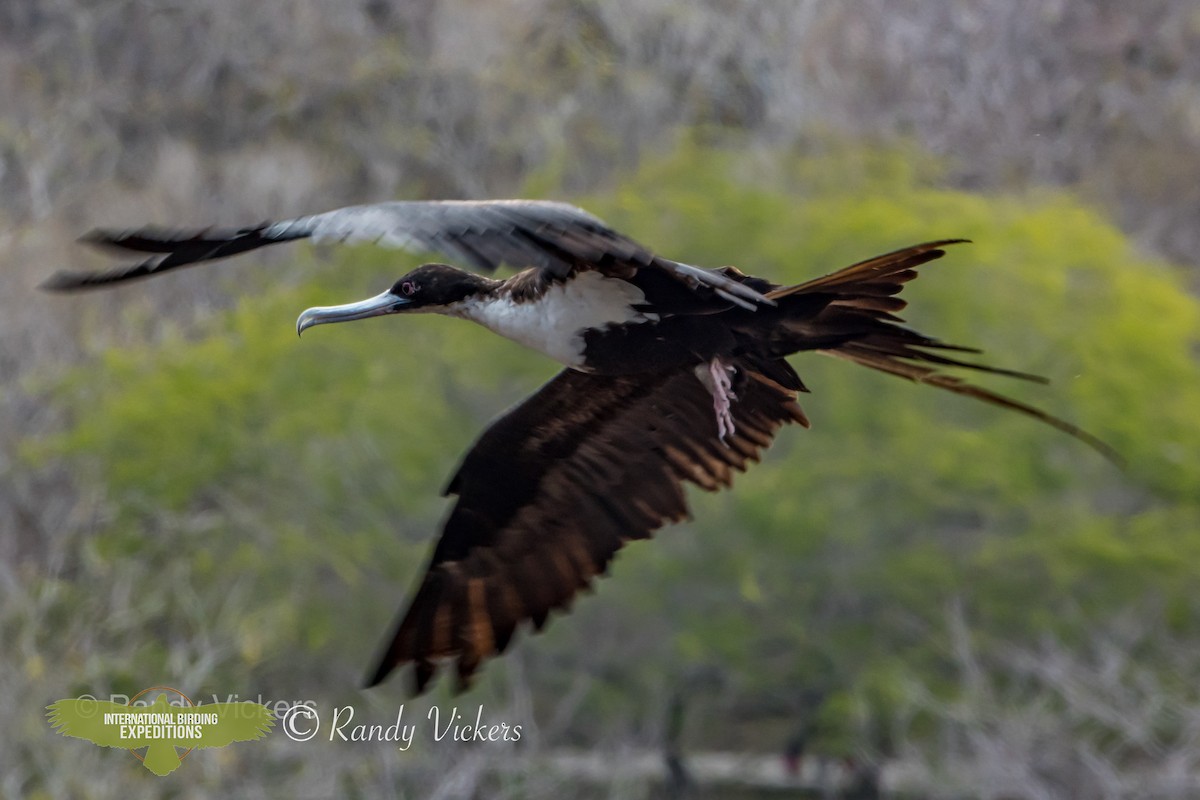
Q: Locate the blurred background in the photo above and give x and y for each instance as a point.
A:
(920, 596)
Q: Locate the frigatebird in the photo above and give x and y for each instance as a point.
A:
(673, 374)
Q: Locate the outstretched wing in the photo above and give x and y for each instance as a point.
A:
(83, 718)
(556, 238)
(555, 487)
(237, 722)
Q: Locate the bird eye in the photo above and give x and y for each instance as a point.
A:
(408, 288)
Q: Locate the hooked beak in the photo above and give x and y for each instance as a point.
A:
(386, 303)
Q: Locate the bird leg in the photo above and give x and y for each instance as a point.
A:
(722, 392)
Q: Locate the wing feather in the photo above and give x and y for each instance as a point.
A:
(556, 238)
(553, 489)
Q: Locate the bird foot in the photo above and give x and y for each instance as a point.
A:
(722, 392)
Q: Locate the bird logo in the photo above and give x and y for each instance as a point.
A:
(160, 727)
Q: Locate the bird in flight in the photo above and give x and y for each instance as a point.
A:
(673, 374)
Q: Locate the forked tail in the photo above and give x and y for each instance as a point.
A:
(856, 318)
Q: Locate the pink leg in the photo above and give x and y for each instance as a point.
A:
(722, 392)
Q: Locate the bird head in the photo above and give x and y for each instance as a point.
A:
(430, 288)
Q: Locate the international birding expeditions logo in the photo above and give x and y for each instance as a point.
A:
(164, 726)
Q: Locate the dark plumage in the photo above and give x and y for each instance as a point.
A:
(555, 487)
(674, 374)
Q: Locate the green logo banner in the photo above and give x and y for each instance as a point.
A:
(161, 726)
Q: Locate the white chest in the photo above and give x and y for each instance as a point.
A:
(554, 323)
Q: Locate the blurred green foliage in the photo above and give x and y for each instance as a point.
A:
(270, 500)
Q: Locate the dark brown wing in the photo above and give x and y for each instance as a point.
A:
(556, 238)
(554, 488)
